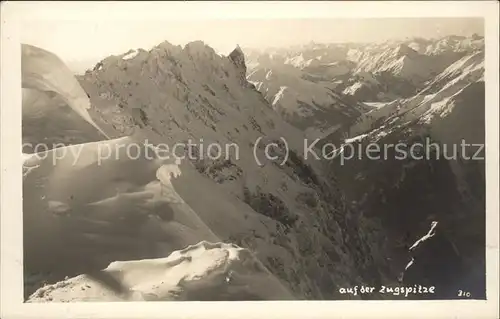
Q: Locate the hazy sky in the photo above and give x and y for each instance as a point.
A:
(91, 34)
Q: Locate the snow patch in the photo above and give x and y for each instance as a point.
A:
(351, 90)
(268, 74)
(130, 55)
(376, 105)
(279, 95)
(355, 138)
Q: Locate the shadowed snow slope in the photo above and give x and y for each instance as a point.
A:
(48, 121)
(105, 209)
(45, 72)
(85, 211)
(205, 271)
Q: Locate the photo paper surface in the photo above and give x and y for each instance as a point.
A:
(292, 162)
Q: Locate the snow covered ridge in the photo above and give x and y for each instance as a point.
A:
(205, 271)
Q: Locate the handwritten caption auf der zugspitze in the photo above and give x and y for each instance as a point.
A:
(396, 291)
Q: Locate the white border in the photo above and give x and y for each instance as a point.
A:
(13, 13)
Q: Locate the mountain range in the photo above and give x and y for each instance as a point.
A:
(118, 227)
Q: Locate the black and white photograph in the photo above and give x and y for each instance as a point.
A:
(259, 159)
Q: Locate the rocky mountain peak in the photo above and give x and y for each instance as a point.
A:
(238, 58)
(168, 47)
(199, 48)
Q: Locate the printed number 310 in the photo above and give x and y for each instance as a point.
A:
(462, 293)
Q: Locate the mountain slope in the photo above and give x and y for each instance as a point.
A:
(431, 100)
(310, 106)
